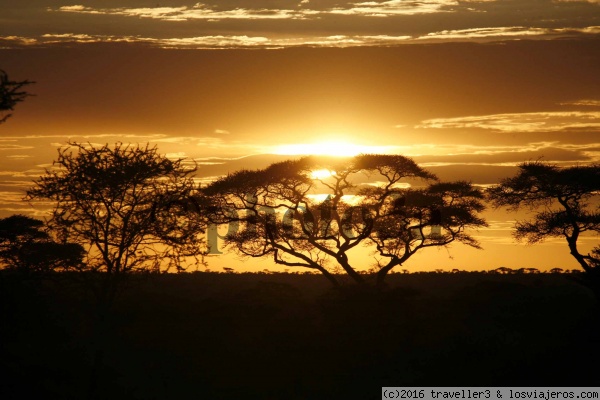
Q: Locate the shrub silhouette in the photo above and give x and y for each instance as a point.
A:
(27, 247)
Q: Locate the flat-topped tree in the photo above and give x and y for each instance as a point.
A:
(313, 212)
(565, 202)
(415, 219)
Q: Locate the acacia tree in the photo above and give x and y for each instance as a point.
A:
(566, 204)
(126, 205)
(27, 247)
(312, 212)
(11, 93)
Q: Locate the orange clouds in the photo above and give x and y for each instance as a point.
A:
(245, 41)
(522, 122)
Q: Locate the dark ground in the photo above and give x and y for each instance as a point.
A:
(255, 336)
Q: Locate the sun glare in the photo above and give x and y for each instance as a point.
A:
(337, 149)
(321, 174)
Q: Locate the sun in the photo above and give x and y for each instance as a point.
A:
(331, 148)
(321, 174)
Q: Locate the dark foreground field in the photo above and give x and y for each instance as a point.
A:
(226, 336)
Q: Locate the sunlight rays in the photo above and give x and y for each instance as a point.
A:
(333, 148)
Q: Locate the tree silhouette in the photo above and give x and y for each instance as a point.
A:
(566, 204)
(27, 247)
(127, 206)
(281, 214)
(10, 95)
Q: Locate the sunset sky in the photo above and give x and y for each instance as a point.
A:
(467, 88)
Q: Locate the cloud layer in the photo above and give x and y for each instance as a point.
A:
(245, 41)
(523, 122)
(304, 10)
(318, 23)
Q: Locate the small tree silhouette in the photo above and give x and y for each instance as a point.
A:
(10, 95)
(565, 202)
(27, 248)
(128, 206)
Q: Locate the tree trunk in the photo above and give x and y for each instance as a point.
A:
(329, 277)
(572, 241)
(342, 259)
(591, 276)
(382, 273)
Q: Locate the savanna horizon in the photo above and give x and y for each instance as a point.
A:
(474, 116)
(448, 258)
(187, 120)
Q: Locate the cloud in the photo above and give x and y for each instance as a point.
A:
(17, 40)
(245, 41)
(55, 38)
(221, 132)
(215, 42)
(200, 42)
(578, 1)
(210, 163)
(508, 157)
(102, 135)
(51, 38)
(177, 155)
(395, 7)
(316, 10)
(485, 32)
(197, 12)
(8, 197)
(508, 31)
(357, 40)
(521, 122)
(583, 102)
(15, 183)
(497, 225)
(4, 146)
(201, 11)
(207, 42)
(76, 8)
(70, 37)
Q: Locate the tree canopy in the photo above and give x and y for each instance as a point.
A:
(125, 204)
(313, 211)
(565, 201)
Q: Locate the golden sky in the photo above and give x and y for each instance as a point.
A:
(467, 88)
